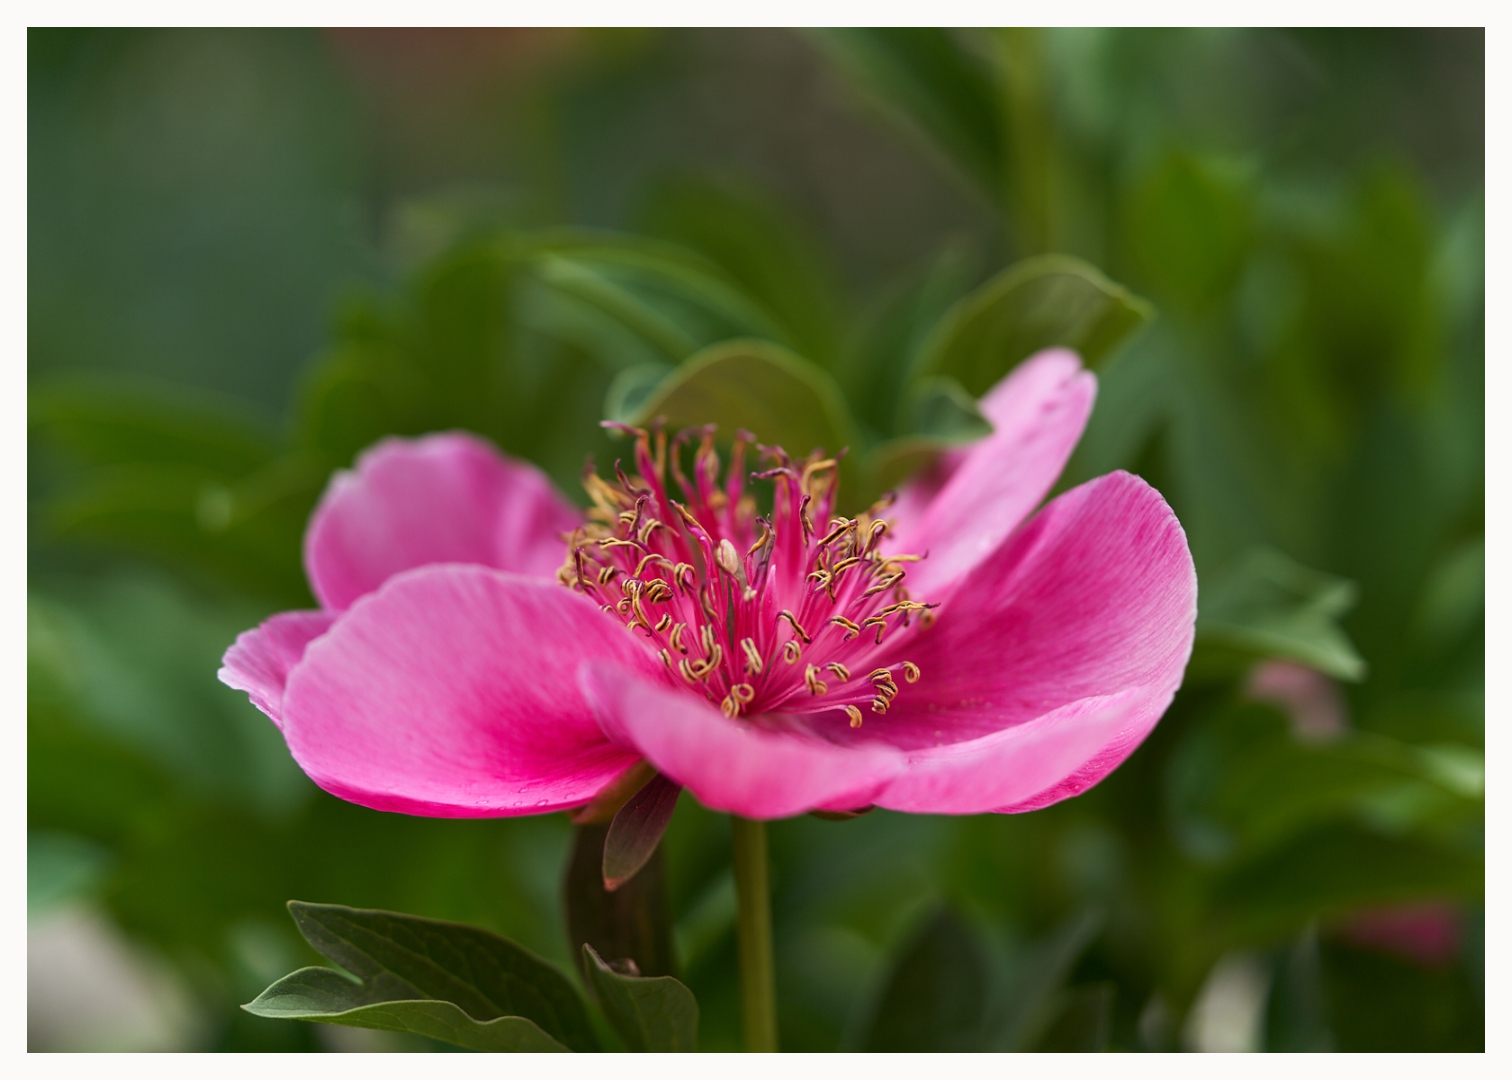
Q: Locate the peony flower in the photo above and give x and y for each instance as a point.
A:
(483, 649)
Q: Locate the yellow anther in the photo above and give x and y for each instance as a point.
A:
(707, 637)
(640, 570)
(675, 638)
(854, 714)
(730, 707)
(841, 671)
(744, 693)
(607, 574)
(664, 624)
(797, 628)
(753, 662)
(851, 629)
(685, 576)
(910, 671)
(879, 705)
(811, 679)
(651, 525)
(838, 527)
(791, 651)
(666, 656)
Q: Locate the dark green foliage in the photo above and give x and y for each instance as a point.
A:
(651, 1015)
(630, 923)
(936, 995)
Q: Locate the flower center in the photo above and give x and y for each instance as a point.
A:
(759, 614)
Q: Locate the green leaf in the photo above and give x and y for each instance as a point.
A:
(655, 1015)
(761, 248)
(939, 415)
(1035, 304)
(1333, 871)
(940, 408)
(110, 421)
(1190, 228)
(935, 995)
(329, 997)
(404, 958)
(632, 388)
(1270, 605)
(1033, 999)
(947, 93)
(779, 397)
(667, 299)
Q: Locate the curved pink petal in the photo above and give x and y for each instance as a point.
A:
(442, 498)
(1018, 764)
(450, 692)
(261, 659)
(756, 770)
(1093, 601)
(962, 510)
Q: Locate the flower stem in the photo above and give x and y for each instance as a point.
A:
(758, 992)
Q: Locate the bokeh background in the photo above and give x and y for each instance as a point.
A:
(252, 253)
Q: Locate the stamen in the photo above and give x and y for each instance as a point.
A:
(910, 671)
(879, 705)
(854, 714)
(753, 662)
(675, 638)
(841, 671)
(815, 684)
(797, 627)
(728, 560)
(852, 631)
(663, 624)
(791, 651)
(744, 693)
(640, 570)
(607, 574)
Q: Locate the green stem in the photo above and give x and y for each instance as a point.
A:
(758, 990)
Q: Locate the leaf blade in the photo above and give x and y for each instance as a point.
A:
(652, 1015)
(483, 974)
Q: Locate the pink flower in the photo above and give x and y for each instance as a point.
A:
(482, 650)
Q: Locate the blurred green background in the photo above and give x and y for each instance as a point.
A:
(252, 253)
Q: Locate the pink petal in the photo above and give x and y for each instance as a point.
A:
(443, 498)
(756, 770)
(961, 511)
(449, 692)
(262, 658)
(1017, 764)
(1093, 601)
